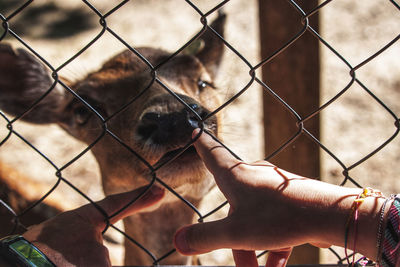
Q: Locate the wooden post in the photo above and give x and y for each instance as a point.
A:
(294, 76)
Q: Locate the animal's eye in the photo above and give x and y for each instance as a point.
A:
(203, 85)
(82, 115)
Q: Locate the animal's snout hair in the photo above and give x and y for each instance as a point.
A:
(169, 122)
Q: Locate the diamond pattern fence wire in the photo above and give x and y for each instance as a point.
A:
(24, 22)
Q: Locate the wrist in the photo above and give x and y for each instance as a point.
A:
(369, 222)
(332, 214)
(339, 215)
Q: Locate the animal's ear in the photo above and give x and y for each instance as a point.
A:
(23, 80)
(209, 47)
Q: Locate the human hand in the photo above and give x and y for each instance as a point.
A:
(270, 209)
(74, 238)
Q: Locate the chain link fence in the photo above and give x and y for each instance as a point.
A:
(97, 27)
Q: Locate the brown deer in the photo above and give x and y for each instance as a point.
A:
(155, 125)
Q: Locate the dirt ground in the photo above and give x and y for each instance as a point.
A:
(351, 128)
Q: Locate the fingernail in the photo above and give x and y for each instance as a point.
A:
(156, 191)
(195, 132)
(181, 243)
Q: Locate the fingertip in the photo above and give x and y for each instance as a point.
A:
(195, 133)
(212, 151)
(121, 205)
(154, 195)
(203, 140)
(181, 242)
(157, 191)
(278, 258)
(246, 258)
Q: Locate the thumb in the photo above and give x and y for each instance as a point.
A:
(203, 237)
(121, 205)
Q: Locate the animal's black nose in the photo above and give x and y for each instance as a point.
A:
(193, 119)
(171, 127)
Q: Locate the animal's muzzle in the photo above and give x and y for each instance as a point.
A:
(174, 126)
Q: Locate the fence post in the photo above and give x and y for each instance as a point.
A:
(294, 76)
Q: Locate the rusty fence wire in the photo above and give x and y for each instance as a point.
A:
(10, 21)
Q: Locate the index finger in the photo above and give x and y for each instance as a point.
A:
(219, 161)
(113, 203)
(216, 157)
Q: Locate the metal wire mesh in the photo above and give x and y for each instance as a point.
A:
(10, 19)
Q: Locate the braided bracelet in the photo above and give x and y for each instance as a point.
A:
(390, 243)
(380, 229)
